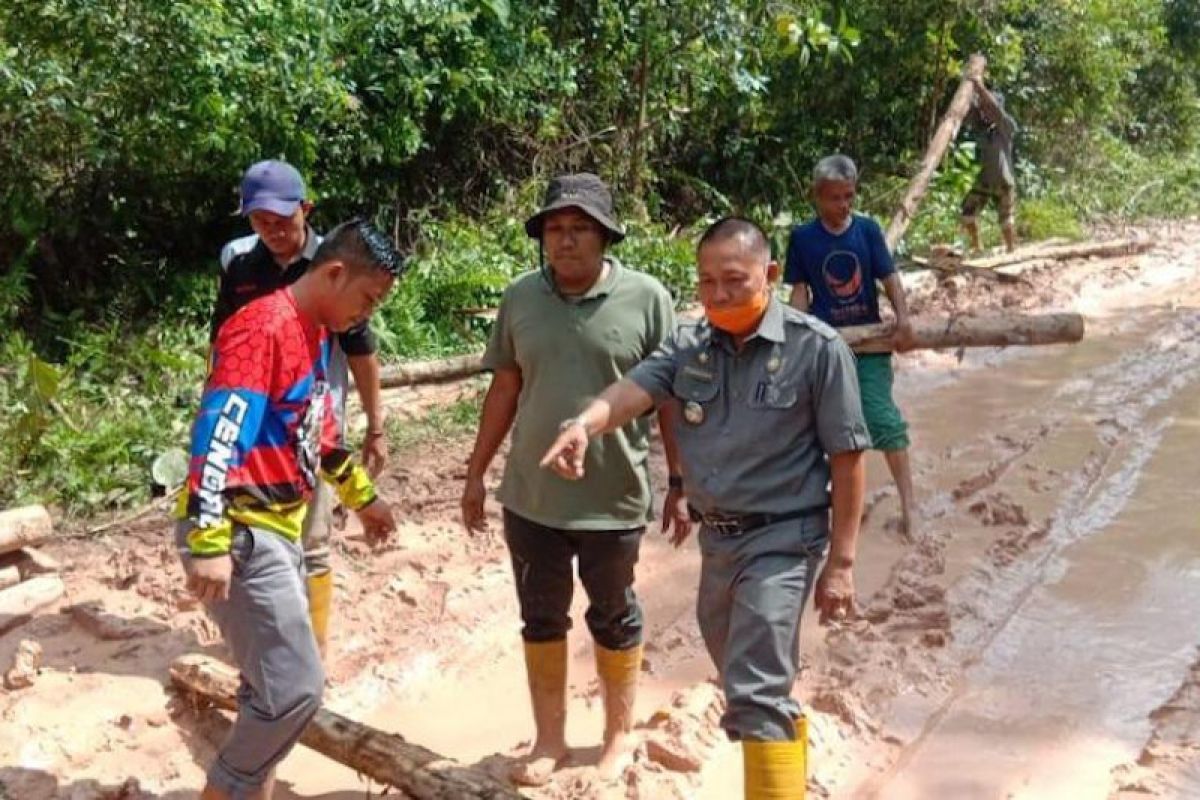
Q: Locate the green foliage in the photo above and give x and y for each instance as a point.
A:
(437, 423)
(82, 434)
(1046, 218)
(126, 127)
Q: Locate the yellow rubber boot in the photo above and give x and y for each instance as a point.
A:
(618, 671)
(777, 770)
(320, 598)
(546, 669)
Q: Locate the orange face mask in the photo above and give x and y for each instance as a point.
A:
(741, 319)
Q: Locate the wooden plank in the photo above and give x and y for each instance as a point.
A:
(384, 757)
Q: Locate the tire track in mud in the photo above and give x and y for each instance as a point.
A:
(957, 624)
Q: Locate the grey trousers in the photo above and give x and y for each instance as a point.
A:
(265, 622)
(753, 589)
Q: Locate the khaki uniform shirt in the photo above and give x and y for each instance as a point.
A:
(756, 426)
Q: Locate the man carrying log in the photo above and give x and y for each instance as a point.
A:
(994, 131)
(274, 199)
(770, 417)
(833, 263)
(562, 334)
(266, 427)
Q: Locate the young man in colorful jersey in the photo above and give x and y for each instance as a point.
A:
(274, 199)
(265, 430)
(833, 263)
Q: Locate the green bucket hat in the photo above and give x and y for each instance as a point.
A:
(584, 191)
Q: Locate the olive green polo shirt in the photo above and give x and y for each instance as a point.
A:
(567, 351)
(757, 425)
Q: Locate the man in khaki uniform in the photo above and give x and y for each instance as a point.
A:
(563, 333)
(771, 438)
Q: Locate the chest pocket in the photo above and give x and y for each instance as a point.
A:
(775, 393)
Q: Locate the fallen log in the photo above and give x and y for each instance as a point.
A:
(960, 268)
(9, 576)
(1109, 249)
(28, 562)
(440, 371)
(20, 527)
(19, 603)
(997, 330)
(384, 757)
(947, 129)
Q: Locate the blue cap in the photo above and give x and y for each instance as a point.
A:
(273, 186)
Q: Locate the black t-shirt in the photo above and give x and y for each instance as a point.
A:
(249, 271)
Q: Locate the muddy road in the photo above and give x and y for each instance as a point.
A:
(1039, 640)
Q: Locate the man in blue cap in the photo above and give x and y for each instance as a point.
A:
(274, 200)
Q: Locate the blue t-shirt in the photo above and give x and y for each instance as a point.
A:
(841, 270)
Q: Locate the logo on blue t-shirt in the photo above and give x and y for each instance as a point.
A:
(843, 275)
(840, 270)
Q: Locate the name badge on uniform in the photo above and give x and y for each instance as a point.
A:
(696, 372)
(693, 412)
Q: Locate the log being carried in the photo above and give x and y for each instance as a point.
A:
(930, 332)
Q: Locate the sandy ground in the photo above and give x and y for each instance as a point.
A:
(1037, 641)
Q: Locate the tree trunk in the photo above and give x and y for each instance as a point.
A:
(23, 526)
(946, 131)
(19, 603)
(1109, 249)
(9, 576)
(441, 371)
(384, 757)
(998, 330)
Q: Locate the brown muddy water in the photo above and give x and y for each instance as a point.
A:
(1068, 645)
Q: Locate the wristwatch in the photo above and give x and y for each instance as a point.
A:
(567, 423)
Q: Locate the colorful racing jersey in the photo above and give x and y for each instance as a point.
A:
(266, 429)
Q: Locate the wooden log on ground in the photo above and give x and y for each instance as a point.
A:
(996, 330)
(384, 757)
(20, 527)
(947, 129)
(440, 371)
(19, 603)
(1110, 249)
(29, 561)
(961, 268)
(9, 576)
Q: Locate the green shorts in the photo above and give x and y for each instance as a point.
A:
(980, 197)
(888, 429)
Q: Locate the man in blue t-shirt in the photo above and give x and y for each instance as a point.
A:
(833, 263)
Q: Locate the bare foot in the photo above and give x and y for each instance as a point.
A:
(902, 527)
(615, 755)
(542, 761)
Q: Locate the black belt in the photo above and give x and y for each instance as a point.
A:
(727, 524)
